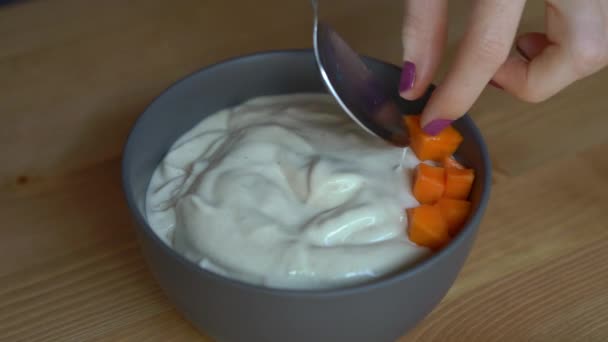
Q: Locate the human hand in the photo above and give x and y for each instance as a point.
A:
(574, 45)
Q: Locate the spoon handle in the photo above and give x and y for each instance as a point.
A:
(315, 12)
(315, 6)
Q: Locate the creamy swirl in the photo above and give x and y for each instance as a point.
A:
(285, 192)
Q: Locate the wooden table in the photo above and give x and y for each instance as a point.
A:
(74, 75)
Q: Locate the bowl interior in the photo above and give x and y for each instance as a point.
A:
(232, 82)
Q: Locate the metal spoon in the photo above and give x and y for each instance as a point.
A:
(363, 96)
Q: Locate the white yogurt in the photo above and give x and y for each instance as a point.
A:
(286, 192)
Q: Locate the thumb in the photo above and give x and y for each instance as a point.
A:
(546, 73)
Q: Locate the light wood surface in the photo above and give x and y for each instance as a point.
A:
(74, 75)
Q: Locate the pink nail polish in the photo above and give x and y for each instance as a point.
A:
(408, 75)
(436, 126)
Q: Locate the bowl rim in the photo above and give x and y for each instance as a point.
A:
(375, 284)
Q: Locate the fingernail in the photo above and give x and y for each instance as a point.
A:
(495, 85)
(436, 126)
(522, 53)
(408, 75)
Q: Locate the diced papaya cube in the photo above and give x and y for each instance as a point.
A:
(428, 147)
(455, 213)
(426, 227)
(429, 183)
(412, 122)
(458, 183)
(451, 163)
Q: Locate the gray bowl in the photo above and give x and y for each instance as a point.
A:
(232, 311)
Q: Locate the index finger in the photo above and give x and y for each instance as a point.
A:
(483, 49)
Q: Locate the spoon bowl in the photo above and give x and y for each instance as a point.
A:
(363, 96)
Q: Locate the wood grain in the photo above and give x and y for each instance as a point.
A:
(74, 75)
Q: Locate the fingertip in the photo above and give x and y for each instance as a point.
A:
(435, 126)
(431, 118)
(411, 85)
(408, 78)
(434, 120)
